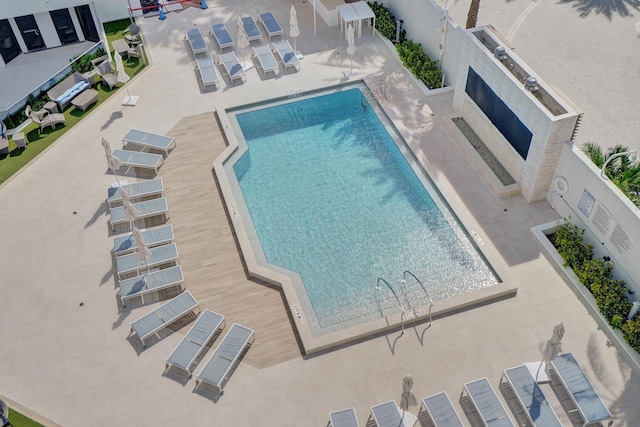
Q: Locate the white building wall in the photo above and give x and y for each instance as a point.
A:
(47, 30)
(107, 10)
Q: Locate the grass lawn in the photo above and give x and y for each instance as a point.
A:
(19, 420)
(37, 142)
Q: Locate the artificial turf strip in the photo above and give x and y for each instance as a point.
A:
(19, 420)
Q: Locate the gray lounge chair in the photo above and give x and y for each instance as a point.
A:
(271, 24)
(565, 369)
(530, 397)
(154, 211)
(222, 36)
(153, 282)
(232, 66)
(208, 73)
(129, 265)
(266, 59)
(194, 343)
(47, 120)
(152, 237)
(251, 29)
(156, 320)
(286, 54)
(387, 415)
(148, 141)
(441, 411)
(138, 159)
(139, 191)
(196, 41)
(217, 369)
(486, 402)
(344, 418)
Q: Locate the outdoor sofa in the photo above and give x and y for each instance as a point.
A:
(63, 92)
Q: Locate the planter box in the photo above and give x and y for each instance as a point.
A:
(584, 295)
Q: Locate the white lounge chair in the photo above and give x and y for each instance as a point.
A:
(194, 343)
(440, 410)
(286, 54)
(251, 29)
(149, 141)
(196, 40)
(271, 24)
(153, 282)
(139, 191)
(232, 66)
(152, 237)
(156, 320)
(217, 369)
(149, 212)
(138, 159)
(387, 415)
(485, 400)
(344, 418)
(222, 36)
(267, 60)
(129, 265)
(208, 73)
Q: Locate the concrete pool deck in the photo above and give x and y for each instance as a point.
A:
(75, 365)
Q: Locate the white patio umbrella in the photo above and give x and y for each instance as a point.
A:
(351, 49)
(113, 163)
(554, 346)
(243, 41)
(408, 398)
(123, 78)
(130, 211)
(144, 253)
(294, 30)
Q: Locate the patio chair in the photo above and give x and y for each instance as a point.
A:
(565, 370)
(485, 400)
(530, 397)
(440, 410)
(138, 159)
(388, 415)
(156, 320)
(152, 237)
(266, 59)
(128, 266)
(107, 74)
(271, 24)
(196, 40)
(217, 369)
(286, 54)
(232, 66)
(222, 36)
(251, 29)
(153, 282)
(132, 34)
(47, 120)
(137, 192)
(195, 342)
(208, 73)
(146, 210)
(148, 141)
(344, 418)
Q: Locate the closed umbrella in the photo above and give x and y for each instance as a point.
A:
(113, 163)
(243, 41)
(351, 49)
(554, 346)
(294, 30)
(408, 398)
(123, 78)
(144, 253)
(130, 211)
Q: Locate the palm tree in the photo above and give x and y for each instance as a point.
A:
(472, 16)
(622, 172)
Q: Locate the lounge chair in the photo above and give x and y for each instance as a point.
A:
(152, 237)
(286, 54)
(217, 369)
(208, 73)
(194, 343)
(156, 320)
(271, 24)
(485, 400)
(140, 191)
(565, 369)
(387, 415)
(107, 74)
(137, 159)
(147, 212)
(222, 36)
(232, 66)
(149, 141)
(128, 266)
(344, 418)
(251, 29)
(153, 282)
(440, 410)
(47, 120)
(196, 41)
(266, 59)
(530, 397)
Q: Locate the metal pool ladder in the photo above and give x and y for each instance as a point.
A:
(404, 275)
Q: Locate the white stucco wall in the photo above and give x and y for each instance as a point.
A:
(610, 208)
(107, 10)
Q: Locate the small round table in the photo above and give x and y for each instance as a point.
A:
(51, 106)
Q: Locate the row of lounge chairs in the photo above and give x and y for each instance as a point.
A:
(145, 147)
(534, 406)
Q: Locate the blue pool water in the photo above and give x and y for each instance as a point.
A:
(332, 198)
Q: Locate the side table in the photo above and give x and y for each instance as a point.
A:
(20, 140)
(51, 107)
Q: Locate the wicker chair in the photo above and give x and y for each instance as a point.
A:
(49, 119)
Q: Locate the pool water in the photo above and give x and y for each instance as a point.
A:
(333, 198)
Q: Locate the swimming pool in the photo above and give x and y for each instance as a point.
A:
(332, 197)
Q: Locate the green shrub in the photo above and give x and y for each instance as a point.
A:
(569, 242)
(420, 64)
(611, 299)
(83, 64)
(385, 22)
(631, 332)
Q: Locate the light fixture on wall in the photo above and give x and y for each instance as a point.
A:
(632, 158)
(500, 53)
(531, 84)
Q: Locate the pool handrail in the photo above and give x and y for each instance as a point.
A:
(397, 299)
(423, 288)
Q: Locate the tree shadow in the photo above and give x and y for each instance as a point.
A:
(608, 8)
